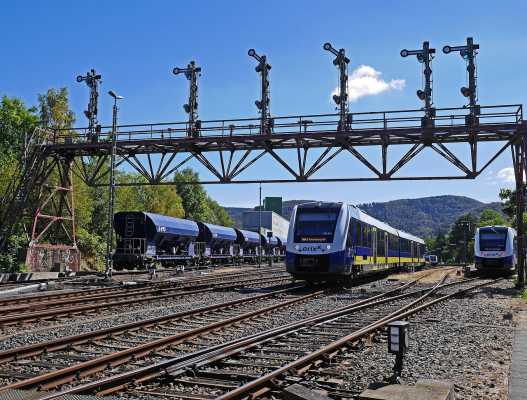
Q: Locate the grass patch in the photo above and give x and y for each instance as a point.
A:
(524, 294)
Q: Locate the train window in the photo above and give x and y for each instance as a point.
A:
(316, 224)
(492, 239)
(358, 239)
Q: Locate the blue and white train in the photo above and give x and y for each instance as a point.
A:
(495, 249)
(336, 241)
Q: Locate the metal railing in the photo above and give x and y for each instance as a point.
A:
(509, 114)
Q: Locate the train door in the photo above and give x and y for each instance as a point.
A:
(374, 245)
(386, 242)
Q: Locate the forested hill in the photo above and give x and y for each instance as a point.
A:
(427, 216)
(424, 217)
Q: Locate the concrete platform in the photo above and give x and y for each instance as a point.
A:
(518, 372)
(424, 389)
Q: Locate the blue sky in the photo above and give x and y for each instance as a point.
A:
(135, 45)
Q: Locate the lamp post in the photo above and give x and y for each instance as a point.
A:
(111, 200)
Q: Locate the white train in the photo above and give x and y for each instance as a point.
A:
(495, 249)
(336, 241)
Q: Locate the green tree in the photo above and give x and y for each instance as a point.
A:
(192, 194)
(220, 216)
(16, 122)
(491, 217)
(54, 109)
(462, 233)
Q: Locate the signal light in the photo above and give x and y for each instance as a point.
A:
(404, 53)
(80, 78)
(327, 46)
(251, 52)
(421, 94)
(447, 49)
(465, 91)
(176, 71)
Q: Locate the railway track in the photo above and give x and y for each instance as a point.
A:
(186, 283)
(20, 318)
(140, 343)
(251, 365)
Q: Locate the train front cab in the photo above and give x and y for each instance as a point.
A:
(495, 250)
(315, 248)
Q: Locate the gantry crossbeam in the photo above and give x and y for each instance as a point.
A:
(227, 148)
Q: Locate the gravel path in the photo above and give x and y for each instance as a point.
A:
(467, 341)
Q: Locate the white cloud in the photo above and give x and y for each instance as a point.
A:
(506, 175)
(366, 81)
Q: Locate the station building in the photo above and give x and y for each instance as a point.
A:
(270, 221)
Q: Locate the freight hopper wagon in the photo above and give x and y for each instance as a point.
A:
(146, 240)
(336, 241)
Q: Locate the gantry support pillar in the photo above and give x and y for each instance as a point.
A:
(519, 162)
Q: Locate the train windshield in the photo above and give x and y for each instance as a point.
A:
(316, 224)
(492, 239)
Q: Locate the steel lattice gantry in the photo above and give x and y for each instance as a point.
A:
(230, 148)
(238, 144)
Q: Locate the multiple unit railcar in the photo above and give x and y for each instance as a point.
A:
(495, 249)
(337, 241)
(146, 240)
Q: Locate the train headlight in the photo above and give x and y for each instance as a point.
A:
(328, 247)
(297, 247)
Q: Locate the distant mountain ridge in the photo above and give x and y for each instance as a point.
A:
(424, 217)
(427, 216)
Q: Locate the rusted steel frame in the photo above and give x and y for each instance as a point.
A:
(361, 158)
(294, 134)
(491, 160)
(298, 365)
(181, 163)
(206, 356)
(320, 162)
(450, 157)
(410, 154)
(240, 168)
(207, 164)
(54, 378)
(269, 150)
(57, 344)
